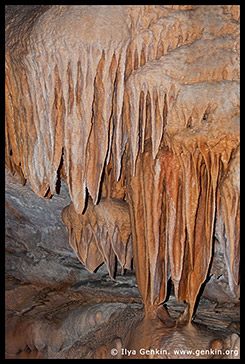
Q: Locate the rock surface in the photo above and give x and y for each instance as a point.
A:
(90, 319)
(67, 312)
(123, 123)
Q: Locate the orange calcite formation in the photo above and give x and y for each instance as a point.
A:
(101, 234)
(138, 103)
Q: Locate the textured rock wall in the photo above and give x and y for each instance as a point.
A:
(36, 240)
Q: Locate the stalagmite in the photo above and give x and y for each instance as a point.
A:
(137, 107)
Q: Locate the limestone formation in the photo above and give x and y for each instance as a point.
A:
(101, 234)
(136, 109)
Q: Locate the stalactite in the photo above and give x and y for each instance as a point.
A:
(157, 32)
(180, 92)
(173, 205)
(146, 201)
(72, 88)
(160, 97)
(66, 90)
(101, 234)
(175, 217)
(228, 220)
(110, 186)
(148, 109)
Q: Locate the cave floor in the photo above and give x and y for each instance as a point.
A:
(86, 319)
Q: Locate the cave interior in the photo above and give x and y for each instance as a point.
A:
(122, 181)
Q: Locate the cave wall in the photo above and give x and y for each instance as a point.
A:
(139, 104)
(36, 238)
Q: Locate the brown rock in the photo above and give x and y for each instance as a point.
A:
(136, 110)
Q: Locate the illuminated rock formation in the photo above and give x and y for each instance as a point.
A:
(136, 108)
(102, 234)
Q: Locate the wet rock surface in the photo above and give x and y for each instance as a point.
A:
(89, 320)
